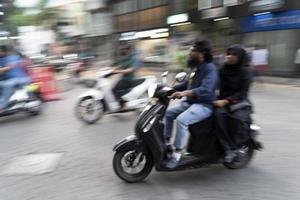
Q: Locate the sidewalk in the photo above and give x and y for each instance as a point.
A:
(159, 70)
(280, 81)
(262, 79)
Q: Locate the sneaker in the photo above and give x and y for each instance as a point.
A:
(172, 163)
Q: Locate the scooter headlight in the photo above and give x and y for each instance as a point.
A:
(151, 90)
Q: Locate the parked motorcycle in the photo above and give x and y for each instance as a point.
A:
(136, 155)
(25, 99)
(100, 100)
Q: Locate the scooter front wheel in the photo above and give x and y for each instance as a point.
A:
(132, 165)
(89, 110)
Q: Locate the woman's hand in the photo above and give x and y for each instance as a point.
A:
(221, 103)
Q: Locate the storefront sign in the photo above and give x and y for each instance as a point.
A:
(272, 21)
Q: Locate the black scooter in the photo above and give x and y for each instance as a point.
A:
(136, 155)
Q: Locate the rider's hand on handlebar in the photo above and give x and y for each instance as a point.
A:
(116, 71)
(177, 95)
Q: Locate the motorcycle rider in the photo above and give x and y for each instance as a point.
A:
(13, 75)
(198, 105)
(235, 81)
(127, 66)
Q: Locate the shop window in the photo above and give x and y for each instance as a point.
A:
(115, 8)
(120, 8)
(217, 3)
(134, 5)
(144, 4)
(159, 2)
(204, 4)
(125, 7)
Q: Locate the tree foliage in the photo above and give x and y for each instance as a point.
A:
(44, 17)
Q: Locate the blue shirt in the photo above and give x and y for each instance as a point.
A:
(16, 71)
(204, 84)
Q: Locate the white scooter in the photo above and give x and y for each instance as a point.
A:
(25, 99)
(100, 100)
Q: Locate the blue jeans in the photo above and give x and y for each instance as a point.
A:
(185, 114)
(7, 88)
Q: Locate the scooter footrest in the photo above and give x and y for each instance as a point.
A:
(258, 145)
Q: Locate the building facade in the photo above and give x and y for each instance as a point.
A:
(144, 23)
(268, 24)
(99, 27)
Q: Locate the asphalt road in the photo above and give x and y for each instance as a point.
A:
(85, 172)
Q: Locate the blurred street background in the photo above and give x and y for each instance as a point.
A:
(72, 40)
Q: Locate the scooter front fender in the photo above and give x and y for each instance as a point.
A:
(96, 94)
(130, 142)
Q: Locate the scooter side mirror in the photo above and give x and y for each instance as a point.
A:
(180, 77)
(165, 74)
(164, 77)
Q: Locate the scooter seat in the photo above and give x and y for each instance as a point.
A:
(137, 82)
(133, 84)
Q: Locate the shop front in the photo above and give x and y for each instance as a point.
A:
(273, 25)
(279, 33)
(152, 45)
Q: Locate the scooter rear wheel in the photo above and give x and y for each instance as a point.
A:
(126, 165)
(244, 160)
(37, 109)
